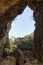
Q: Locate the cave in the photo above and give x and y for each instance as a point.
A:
(9, 9)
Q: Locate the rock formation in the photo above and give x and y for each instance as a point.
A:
(9, 61)
(18, 54)
(9, 9)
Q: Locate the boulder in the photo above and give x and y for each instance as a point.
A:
(9, 61)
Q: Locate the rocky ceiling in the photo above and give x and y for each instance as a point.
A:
(9, 9)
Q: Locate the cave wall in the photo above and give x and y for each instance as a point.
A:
(38, 33)
(9, 9)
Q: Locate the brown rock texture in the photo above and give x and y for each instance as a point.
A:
(9, 9)
(9, 61)
(18, 54)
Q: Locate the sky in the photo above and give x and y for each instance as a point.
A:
(23, 24)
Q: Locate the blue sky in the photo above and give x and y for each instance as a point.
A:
(23, 24)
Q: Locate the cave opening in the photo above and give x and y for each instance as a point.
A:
(22, 28)
(23, 24)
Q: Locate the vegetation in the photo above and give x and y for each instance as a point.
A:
(25, 43)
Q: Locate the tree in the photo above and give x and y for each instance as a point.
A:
(25, 43)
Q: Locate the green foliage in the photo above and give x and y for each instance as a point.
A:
(25, 43)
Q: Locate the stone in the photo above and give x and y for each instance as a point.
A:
(18, 54)
(9, 61)
(28, 64)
